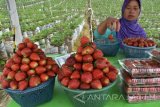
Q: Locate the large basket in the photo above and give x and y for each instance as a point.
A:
(108, 48)
(136, 52)
(33, 96)
(88, 98)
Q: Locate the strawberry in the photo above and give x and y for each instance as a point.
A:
(21, 46)
(22, 85)
(87, 67)
(30, 45)
(44, 77)
(6, 71)
(11, 75)
(26, 40)
(87, 50)
(9, 63)
(96, 84)
(85, 86)
(74, 84)
(33, 64)
(66, 70)
(65, 81)
(70, 61)
(48, 67)
(40, 69)
(86, 77)
(20, 76)
(105, 69)
(97, 54)
(113, 69)
(51, 73)
(25, 60)
(93, 45)
(26, 52)
(84, 40)
(17, 59)
(105, 81)
(77, 66)
(110, 37)
(31, 72)
(34, 81)
(79, 49)
(112, 76)
(5, 83)
(42, 62)
(50, 61)
(18, 52)
(60, 75)
(34, 57)
(42, 56)
(87, 58)
(2, 77)
(15, 67)
(13, 85)
(78, 57)
(97, 74)
(75, 75)
(100, 63)
(55, 68)
(35, 46)
(24, 67)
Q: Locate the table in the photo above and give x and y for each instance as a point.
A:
(116, 100)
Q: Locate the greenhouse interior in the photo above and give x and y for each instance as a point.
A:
(74, 53)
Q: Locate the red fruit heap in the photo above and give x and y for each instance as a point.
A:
(87, 69)
(28, 67)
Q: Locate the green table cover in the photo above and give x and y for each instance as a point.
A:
(115, 100)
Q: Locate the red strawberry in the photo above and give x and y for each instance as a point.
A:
(87, 50)
(9, 63)
(21, 46)
(65, 81)
(78, 57)
(11, 75)
(79, 49)
(22, 85)
(74, 84)
(87, 67)
(44, 77)
(75, 75)
(20, 76)
(33, 64)
(26, 40)
(77, 66)
(13, 85)
(18, 52)
(55, 68)
(42, 62)
(100, 63)
(105, 81)
(48, 67)
(34, 57)
(96, 84)
(30, 45)
(105, 69)
(70, 61)
(5, 83)
(51, 73)
(97, 54)
(93, 45)
(35, 46)
(25, 60)
(84, 40)
(50, 61)
(97, 74)
(15, 67)
(6, 71)
(113, 69)
(42, 56)
(112, 76)
(85, 86)
(26, 52)
(66, 70)
(40, 69)
(86, 77)
(110, 37)
(31, 72)
(34, 81)
(60, 75)
(17, 59)
(1, 78)
(87, 58)
(24, 67)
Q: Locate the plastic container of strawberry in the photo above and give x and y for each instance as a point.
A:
(32, 97)
(84, 98)
(155, 54)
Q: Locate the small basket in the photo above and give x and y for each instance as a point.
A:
(88, 98)
(136, 52)
(107, 47)
(32, 97)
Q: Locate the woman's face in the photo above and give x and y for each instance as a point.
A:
(132, 10)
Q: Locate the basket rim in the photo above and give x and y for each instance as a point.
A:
(115, 43)
(44, 84)
(143, 48)
(91, 90)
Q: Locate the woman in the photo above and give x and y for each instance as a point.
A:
(127, 26)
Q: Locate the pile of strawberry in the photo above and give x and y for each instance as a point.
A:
(87, 69)
(28, 67)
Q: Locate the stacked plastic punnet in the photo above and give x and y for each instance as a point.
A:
(140, 79)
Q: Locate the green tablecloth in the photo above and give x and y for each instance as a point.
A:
(115, 100)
